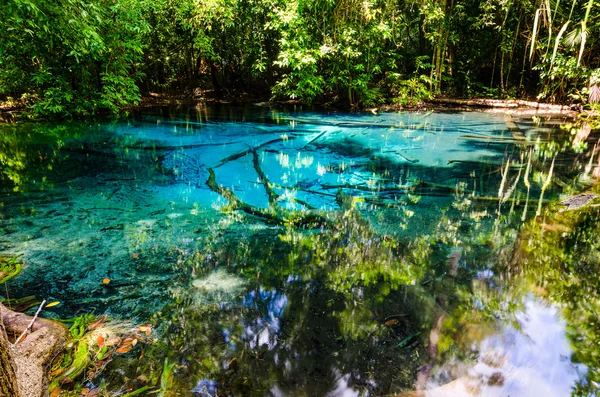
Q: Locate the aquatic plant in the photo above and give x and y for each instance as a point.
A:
(9, 268)
(95, 341)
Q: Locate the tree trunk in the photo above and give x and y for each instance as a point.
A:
(30, 359)
(215, 80)
(8, 379)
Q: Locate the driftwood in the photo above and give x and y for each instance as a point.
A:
(24, 367)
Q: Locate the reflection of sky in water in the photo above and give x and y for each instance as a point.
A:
(535, 361)
(263, 330)
(205, 387)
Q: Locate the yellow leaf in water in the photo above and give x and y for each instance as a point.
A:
(55, 303)
(124, 349)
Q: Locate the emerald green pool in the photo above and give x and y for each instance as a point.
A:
(401, 251)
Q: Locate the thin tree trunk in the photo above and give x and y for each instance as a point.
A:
(422, 42)
(215, 80)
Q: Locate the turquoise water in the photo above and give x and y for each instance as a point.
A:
(372, 254)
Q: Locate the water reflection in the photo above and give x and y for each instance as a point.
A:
(531, 356)
(333, 255)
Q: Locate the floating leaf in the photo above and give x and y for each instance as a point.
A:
(98, 322)
(51, 304)
(146, 328)
(124, 349)
(112, 341)
(129, 340)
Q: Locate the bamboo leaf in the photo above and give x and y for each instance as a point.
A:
(536, 22)
(549, 14)
(557, 41)
(573, 37)
(584, 30)
(526, 177)
(582, 46)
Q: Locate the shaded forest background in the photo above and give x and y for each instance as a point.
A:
(77, 57)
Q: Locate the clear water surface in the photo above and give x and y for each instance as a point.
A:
(391, 254)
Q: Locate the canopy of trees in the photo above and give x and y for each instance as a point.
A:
(79, 56)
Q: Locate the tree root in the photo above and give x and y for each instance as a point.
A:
(29, 359)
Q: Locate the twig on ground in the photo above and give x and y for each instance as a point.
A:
(32, 321)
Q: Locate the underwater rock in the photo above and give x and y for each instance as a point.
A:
(220, 284)
(576, 202)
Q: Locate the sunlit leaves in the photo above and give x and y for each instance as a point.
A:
(75, 43)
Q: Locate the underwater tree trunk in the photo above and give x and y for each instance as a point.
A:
(30, 360)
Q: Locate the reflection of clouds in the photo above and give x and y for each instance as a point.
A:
(342, 387)
(532, 361)
(263, 331)
(205, 387)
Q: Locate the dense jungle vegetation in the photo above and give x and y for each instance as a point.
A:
(77, 57)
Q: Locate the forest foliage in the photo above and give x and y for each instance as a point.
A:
(77, 57)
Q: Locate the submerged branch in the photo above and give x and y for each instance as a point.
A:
(235, 202)
(243, 153)
(276, 215)
(381, 189)
(181, 147)
(272, 196)
(514, 165)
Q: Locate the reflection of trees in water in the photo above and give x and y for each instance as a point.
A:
(359, 307)
(559, 255)
(362, 307)
(361, 300)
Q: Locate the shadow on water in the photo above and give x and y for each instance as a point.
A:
(429, 270)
